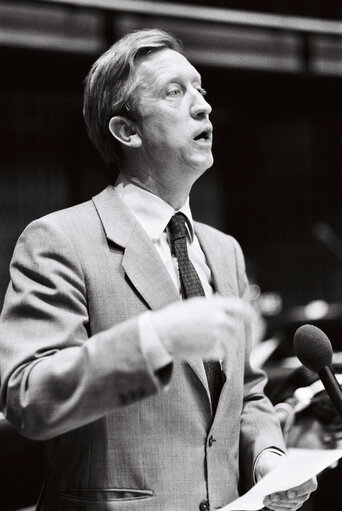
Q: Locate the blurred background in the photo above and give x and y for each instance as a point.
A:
(273, 72)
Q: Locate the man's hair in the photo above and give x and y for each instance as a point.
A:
(109, 85)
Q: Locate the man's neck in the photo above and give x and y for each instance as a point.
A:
(171, 193)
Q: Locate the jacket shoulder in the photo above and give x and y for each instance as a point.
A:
(77, 222)
(68, 217)
(71, 232)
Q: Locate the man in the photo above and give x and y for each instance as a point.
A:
(111, 338)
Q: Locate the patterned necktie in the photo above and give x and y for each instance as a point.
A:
(191, 286)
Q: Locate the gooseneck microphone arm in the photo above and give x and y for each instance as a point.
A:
(332, 387)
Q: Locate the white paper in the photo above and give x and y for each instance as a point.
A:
(295, 468)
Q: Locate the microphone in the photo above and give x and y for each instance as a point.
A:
(313, 348)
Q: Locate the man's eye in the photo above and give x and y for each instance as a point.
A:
(175, 91)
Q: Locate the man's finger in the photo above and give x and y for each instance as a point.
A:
(303, 489)
(282, 506)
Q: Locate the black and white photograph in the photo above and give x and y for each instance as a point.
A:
(170, 255)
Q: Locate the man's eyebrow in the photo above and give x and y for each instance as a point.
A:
(175, 73)
(179, 77)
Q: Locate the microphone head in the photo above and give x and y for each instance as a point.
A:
(312, 347)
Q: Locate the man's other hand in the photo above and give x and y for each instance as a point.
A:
(288, 500)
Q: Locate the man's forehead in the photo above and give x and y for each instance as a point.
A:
(165, 64)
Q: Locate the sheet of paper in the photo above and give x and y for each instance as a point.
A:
(295, 468)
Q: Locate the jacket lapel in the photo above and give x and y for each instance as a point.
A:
(141, 261)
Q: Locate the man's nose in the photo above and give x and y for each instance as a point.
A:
(200, 107)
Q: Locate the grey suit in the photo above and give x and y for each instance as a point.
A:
(72, 369)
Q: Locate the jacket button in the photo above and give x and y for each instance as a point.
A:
(211, 441)
(204, 505)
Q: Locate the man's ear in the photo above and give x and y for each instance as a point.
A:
(124, 131)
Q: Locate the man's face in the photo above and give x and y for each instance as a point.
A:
(173, 115)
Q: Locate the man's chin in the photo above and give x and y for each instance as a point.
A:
(206, 163)
(211, 162)
(197, 166)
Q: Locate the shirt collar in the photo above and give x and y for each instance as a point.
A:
(152, 212)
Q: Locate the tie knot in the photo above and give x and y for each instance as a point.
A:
(177, 226)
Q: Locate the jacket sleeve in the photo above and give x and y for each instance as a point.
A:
(260, 428)
(54, 377)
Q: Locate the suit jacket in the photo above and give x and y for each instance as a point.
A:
(73, 372)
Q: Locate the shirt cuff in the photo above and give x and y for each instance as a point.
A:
(275, 450)
(155, 353)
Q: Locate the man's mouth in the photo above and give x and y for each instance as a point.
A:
(204, 136)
